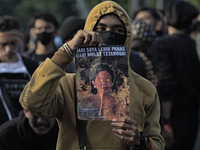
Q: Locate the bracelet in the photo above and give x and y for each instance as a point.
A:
(68, 50)
(144, 142)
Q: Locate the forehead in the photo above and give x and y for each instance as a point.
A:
(103, 74)
(41, 22)
(110, 19)
(9, 35)
(143, 14)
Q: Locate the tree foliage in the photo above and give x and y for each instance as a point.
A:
(24, 9)
(196, 3)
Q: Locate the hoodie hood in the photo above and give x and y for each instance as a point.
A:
(108, 7)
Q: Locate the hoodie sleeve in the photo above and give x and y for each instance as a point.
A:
(152, 126)
(43, 95)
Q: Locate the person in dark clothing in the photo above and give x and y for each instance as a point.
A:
(194, 32)
(45, 26)
(153, 17)
(137, 64)
(177, 66)
(143, 37)
(68, 29)
(15, 70)
(52, 92)
(28, 132)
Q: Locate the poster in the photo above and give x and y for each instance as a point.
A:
(102, 82)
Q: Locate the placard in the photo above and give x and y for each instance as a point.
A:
(102, 82)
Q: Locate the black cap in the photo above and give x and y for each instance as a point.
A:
(70, 26)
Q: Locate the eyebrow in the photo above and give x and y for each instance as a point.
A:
(13, 41)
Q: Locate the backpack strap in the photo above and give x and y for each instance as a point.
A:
(80, 124)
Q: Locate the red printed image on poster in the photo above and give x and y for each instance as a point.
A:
(102, 82)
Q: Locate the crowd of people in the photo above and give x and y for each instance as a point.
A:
(38, 102)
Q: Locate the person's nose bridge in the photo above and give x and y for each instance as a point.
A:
(104, 82)
(108, 29)
(43, 29)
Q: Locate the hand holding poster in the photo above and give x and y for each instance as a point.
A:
(102, 82)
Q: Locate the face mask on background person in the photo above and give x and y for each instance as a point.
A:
(45, 37)
(112, 38)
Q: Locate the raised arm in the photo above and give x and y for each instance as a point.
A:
(43, 95)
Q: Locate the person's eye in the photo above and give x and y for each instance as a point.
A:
(47, 27)
(108, 80)
(100, 28)
(38, 28)
(100, 80)
(119, 30)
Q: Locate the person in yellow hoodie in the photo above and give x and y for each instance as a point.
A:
(50, 93)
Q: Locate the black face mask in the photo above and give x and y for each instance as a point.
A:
(113, 38)
(159, 33)
(45, 37)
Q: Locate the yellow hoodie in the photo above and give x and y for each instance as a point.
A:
(51, 93)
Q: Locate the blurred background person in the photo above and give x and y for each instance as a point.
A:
(177, 67)
(137, 64)
(151, 16)
(194, 32)
(194, 29)
(45, 26)
(143, 37)
(68, 29)
(15, 70)
(198, 36)
(30, 37)
(28, 132)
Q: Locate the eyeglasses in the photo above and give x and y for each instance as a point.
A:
(12, 43)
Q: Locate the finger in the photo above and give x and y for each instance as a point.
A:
(101, 41)
(126, 139)
(119, 119)
(77, 40)
(87, 37)
(124, 121)
(83, 36)
(94, 39)
(119, 136)
(128, 121)
(124, 125)
(127, 133)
